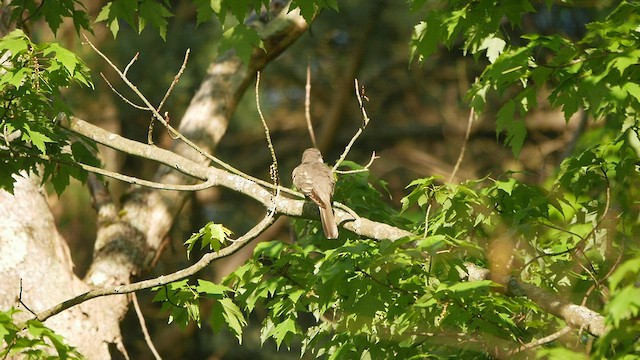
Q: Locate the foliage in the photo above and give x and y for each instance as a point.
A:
(53, 13)
(408, 298)
(598, 73)
(35, 341)
(32, 76)
(213, 235)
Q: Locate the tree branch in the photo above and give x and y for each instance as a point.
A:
(218, 177)
(161, 280)
(576, 316)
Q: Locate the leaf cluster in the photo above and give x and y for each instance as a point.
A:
(32, 76)
(241, 20)
(599, 73)
(36, 341)
(53, 13)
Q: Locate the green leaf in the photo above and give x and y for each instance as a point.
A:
(506, 186)
(53, 12)
(212, 289)
(307, 8)
(627, 273)
(558, 353)
(515, 129)
(231, 315)
(38, 139)
(118, 10)
(205, 9)
(283, 330)
(243, 39)
(494, 46)
(426, 37)
(63, 56)
(156, 14)
(622, 62)
(60, 179)
(241, 8)
(467, 286)
(624, 305)
(633, 89)
(83, 155)
(212, 235)
(16, 42)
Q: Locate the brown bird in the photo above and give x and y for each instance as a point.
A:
(315, 180)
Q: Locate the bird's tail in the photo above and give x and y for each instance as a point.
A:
(329, 225)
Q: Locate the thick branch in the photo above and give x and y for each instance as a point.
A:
(576, 316)
(218, 177)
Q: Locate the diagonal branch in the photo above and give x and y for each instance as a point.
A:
(161, 280)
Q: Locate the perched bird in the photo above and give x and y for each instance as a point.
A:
(315, 180)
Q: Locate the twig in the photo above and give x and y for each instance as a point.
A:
(22, 302)
(604, 278)
(426, 222)
(176, 78)
(133, 180)
(143, 326)
(177, 134)
(150, 107)
(365, 121)
(547, 339)
(464, 146)
(285, 206)
(578, 245)
(131, 103)
(273, 169)
(307, 106)
(364, 169)
(123, 350)
(133, 59)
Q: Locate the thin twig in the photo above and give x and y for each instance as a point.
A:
(123, 350)
(364, 169)
(133, 59)
(273, 169)
(541, 341)
(131, 103)
(159, 155)
(176, 78)
(143, 326)
(133, 180)
(178, 135)
(464, 146)
(22, 302)
(307, 106)
(365, 122)
(426, 220)
(285, 206)
(604, 278)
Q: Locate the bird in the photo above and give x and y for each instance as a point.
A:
(315, 180)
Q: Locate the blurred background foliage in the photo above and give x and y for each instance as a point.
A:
(418, 111)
